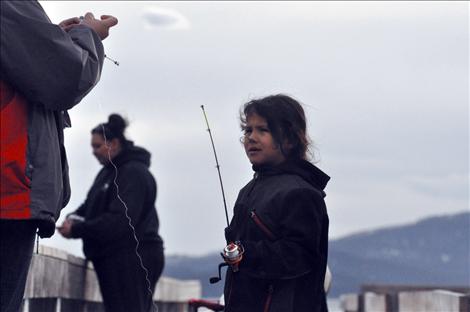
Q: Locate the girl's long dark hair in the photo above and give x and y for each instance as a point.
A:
(286, 121)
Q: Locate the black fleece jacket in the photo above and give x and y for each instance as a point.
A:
(280, 218)
(106, 227)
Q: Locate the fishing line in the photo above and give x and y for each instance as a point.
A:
(126, 211)
(81, 18)
(114, 61)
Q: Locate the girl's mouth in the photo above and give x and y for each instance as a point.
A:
(253, 149)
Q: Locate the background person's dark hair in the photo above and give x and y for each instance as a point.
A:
(286, 121)
(113, 129)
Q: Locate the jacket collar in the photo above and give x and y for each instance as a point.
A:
(306, 170)
(130, 152)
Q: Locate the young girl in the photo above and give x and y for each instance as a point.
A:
(280, 218)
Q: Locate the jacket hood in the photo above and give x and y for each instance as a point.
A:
(306, 170)
(132, 153)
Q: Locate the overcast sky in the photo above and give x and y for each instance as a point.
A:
(385, 87)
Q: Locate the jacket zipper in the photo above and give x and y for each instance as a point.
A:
(261, 225)
(267, 303)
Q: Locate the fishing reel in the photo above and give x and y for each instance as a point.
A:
(232, 255)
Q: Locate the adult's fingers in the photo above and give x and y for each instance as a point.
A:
(109, 20)
(69, 21)
(89, 15)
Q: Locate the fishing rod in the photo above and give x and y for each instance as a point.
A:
(217, 163)
(233, 252)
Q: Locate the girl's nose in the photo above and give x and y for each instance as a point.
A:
(251, 137)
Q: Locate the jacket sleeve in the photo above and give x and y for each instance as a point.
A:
(49, 66)
(80, 210)
(297, 248)
(113, 224)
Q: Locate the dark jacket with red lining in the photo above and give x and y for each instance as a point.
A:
(280, 218)
(44, 72)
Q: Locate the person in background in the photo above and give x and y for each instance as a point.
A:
(46, 69)
(119, 211)
(278, 236)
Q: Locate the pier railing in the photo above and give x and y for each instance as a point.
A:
(405, 298)
(60, 282)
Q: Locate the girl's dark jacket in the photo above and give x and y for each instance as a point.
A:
(281, 220)
(106, 227)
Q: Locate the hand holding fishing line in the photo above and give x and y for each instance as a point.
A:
(66, 228)
(101, 27)
(69, 23)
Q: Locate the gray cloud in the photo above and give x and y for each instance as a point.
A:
(162, 17)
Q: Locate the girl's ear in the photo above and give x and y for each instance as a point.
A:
(287, 146)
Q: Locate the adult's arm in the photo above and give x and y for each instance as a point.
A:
(48, 65)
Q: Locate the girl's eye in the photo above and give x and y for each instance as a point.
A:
(264, 129)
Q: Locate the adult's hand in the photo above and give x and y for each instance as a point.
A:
(66, 229)
(100, 26)
(69, 23)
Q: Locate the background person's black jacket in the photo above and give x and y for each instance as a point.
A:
(286, 248)
(106, 228)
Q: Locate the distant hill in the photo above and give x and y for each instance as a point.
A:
(434, 251)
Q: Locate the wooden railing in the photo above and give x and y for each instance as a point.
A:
(60, 282)
(406, 298)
